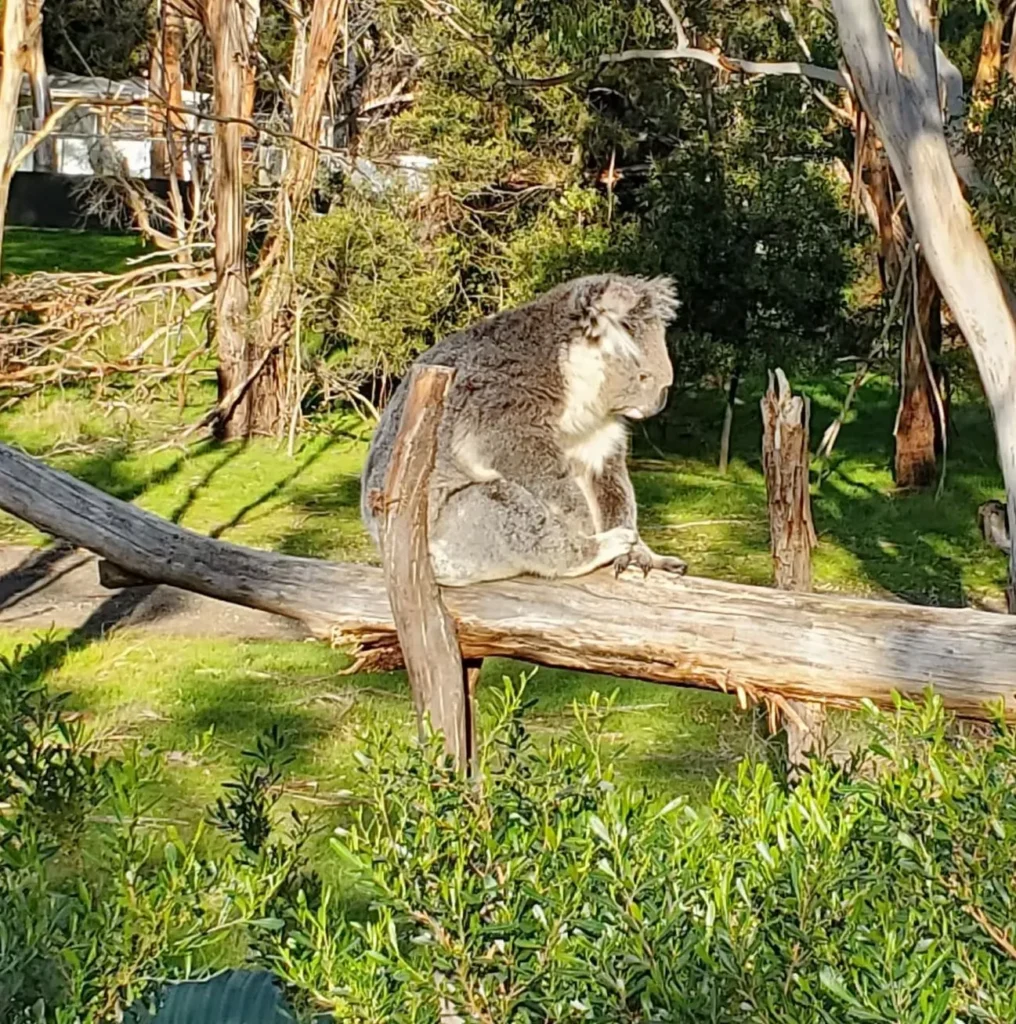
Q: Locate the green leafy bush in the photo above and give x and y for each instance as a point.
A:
(993, 147)
(542, 890)
(379, 293)
(99, 900)
(879, 892)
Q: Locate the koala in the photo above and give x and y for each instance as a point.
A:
(993, 519)
(530, 475)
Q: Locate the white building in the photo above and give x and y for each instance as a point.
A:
(104, 130)
(116, 127)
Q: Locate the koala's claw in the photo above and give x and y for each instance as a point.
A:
(616, 543)
(668, 563)
(639, 556)
(643, 558)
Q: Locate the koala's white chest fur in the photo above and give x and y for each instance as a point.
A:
(589, 437)
(590, 452)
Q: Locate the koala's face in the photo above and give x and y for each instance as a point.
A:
(639, 379)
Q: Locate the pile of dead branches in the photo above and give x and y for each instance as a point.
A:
(60, 328)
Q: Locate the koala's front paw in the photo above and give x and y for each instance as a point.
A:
(615, 544)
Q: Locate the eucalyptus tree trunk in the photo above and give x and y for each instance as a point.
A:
(728, 418)
(12, 48)
(38, 78)
(273, 397)
(230, 59)
(903, 104)
(920, 422)
(165, 77)
(251, 19)
(989, 58)
(918, 432)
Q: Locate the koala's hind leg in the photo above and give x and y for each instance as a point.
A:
(497, 530)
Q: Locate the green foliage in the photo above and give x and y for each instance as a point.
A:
(763, 280)
(546, 891)
(723, 184)
(381, 292)
(993, 147)
(98, 37)
(569, 236)
(45, 766)
(97, 900)
(245, 812)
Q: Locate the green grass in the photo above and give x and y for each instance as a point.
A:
(205, 701)
(30, 249)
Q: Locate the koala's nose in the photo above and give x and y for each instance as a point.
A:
(662, 400)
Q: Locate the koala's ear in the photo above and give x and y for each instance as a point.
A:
(663, 295)
(618, 300)
(603, 304)
(613, 297)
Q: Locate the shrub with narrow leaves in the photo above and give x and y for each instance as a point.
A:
(96, 909)
(545, 891)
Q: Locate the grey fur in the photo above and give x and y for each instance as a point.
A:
(530, 474)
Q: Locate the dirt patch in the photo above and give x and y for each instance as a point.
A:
(58, 586)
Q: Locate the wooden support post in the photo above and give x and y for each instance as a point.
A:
(426, 631)
(785, 463)
(113, 577)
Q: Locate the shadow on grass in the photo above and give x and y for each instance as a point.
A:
(112, 471)
(872, 538)
(244, 514)
(229, 453)
(916, 545)
(105, 472)
(324, 514)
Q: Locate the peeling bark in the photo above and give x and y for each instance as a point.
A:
(270, 405)
(904, 105)
(230, 58)
(919, 434)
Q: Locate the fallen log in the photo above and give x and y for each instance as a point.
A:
(686, 631)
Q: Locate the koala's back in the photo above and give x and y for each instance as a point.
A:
(507, 374)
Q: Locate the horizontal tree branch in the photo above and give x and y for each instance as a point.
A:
(725, 63)
(692, 632)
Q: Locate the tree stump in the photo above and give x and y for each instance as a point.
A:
(430, 647)
(785, 463)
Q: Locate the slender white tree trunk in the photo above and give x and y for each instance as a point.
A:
(12, 48)
(42, 102)
(904, 106)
